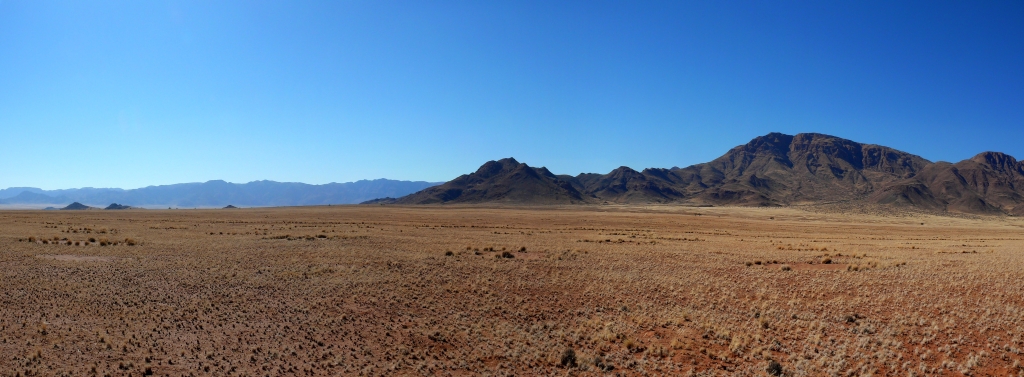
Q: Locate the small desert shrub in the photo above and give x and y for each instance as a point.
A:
(757, 262)
(569, 358)
(93, 240)
(826, 260)
(774, 368)
(31, 239)
(522, 249)
(46, 242)
(749, 263)
(505, 254)
(448, 253)
(633, 346)
(77, 243)
(104, 242)
(786, 267)
(130, 241)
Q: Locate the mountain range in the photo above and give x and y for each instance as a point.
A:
(218, 194)
(771, 170)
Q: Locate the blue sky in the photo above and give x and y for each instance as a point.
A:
(136, 93)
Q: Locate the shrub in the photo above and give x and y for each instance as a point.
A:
(522, 249)
(505, 254)
(129, 241)
(32, 239)
(774, 368)
(93, 240)
(448, 253)
(569, 358)
(826, 260)
(786, 267)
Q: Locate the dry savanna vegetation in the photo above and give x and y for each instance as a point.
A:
(586, 290)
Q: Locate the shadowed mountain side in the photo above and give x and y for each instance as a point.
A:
(990, 182)
(503, 181)
(771, 170)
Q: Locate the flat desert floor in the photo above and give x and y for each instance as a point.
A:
(596, 290)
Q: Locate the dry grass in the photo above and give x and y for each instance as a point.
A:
(466, 291)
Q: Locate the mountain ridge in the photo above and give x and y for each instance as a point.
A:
(771, 170)
(218, 193)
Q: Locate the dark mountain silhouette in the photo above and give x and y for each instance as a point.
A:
(76, 206)
(771, 170)
(503, 181)
(117, 206)
(221, 193)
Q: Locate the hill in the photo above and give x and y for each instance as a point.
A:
(76, 206)
(502, 181)
(770, 170)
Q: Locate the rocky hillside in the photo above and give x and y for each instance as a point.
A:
(775, 169)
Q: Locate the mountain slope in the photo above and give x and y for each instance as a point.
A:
(774, 169)
(502, 181)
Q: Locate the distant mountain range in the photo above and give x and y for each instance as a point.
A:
(771, 170)
(219, 194)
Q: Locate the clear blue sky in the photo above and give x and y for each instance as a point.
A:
(135, 93)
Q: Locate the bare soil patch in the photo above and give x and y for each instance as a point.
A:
(76, 258)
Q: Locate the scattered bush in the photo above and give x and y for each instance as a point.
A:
(505, 254)
(569, 358)
(448, 253)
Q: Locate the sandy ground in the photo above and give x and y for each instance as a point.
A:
(597, 290)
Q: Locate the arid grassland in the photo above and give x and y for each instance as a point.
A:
(587, 290)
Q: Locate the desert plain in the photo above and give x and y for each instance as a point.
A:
(474, 290)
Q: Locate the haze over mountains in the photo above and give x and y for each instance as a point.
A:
(218, 194)
(771, 170)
